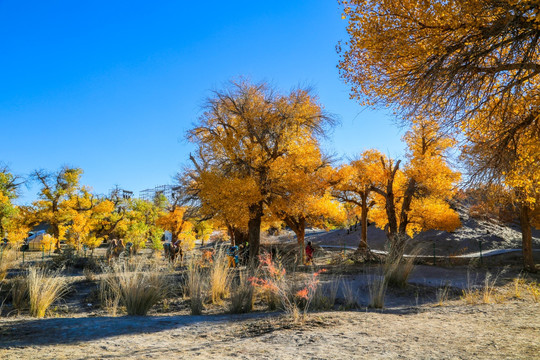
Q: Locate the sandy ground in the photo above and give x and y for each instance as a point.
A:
(411, 326)
(455, 331)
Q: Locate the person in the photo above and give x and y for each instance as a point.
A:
(166, 245)
(309, 253)
(176, 251)
(232, 254)
(129, 249)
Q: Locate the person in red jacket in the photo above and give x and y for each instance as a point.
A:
(309, 253)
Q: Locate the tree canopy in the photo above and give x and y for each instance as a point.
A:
(247, 138)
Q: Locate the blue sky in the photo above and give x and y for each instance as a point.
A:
(112, 86)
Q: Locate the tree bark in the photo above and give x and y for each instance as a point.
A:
(240, 236)
(299, 228)
(407, 199)
(254, 229)
(526, 236)
(363, 245)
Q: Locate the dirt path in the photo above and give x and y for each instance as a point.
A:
(456, 331)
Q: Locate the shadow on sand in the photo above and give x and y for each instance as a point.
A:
(54, 331)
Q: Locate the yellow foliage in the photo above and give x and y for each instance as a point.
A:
(257, 151)
(47, 242)
(182, 229)
(427, 181)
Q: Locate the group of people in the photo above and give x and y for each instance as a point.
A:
(117, 247)
(237, 255)
(172, 249)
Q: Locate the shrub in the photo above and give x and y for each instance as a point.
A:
(518, 283)
(274, 282)
(135, 287)
(442, 294)
(485, 294)
(89, 274)
(44, 287)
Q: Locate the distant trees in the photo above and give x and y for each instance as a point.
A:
(12, 219)
(177, 222)
(53, 205)
(353, 185)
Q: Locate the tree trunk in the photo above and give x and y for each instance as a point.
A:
(55, 230)
(363, 245)
(254, 229)
(240, 236)
(300, 236)
(526, 236)
(406, 207)
(230, 231)
(390, 208)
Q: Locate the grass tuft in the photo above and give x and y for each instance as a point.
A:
(377, 286)
(133, 286)
(195, 286)
(44, 288)
(8, 257)
(242, 294)
(219, 277)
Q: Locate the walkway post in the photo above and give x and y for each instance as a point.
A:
(480, 246)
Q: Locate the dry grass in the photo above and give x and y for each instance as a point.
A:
(398, 268)
(133, 285)
(325, 295)
(377, 286)
(534, 291)
(8, 258)
(44, 288)
(518, 283)
(350, 295)
(485, 294)
(442, 294)
(242, 294)
(220, 277)
(19, 293)
(195, 286)
(89, 274)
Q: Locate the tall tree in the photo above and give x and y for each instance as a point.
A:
(475, 64)
(302, 195)
(352, 184)
(52, 205)
(416, 198)
(243, 133)
(89, 215)
(9, 185)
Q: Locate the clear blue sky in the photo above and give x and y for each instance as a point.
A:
(112, 86)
